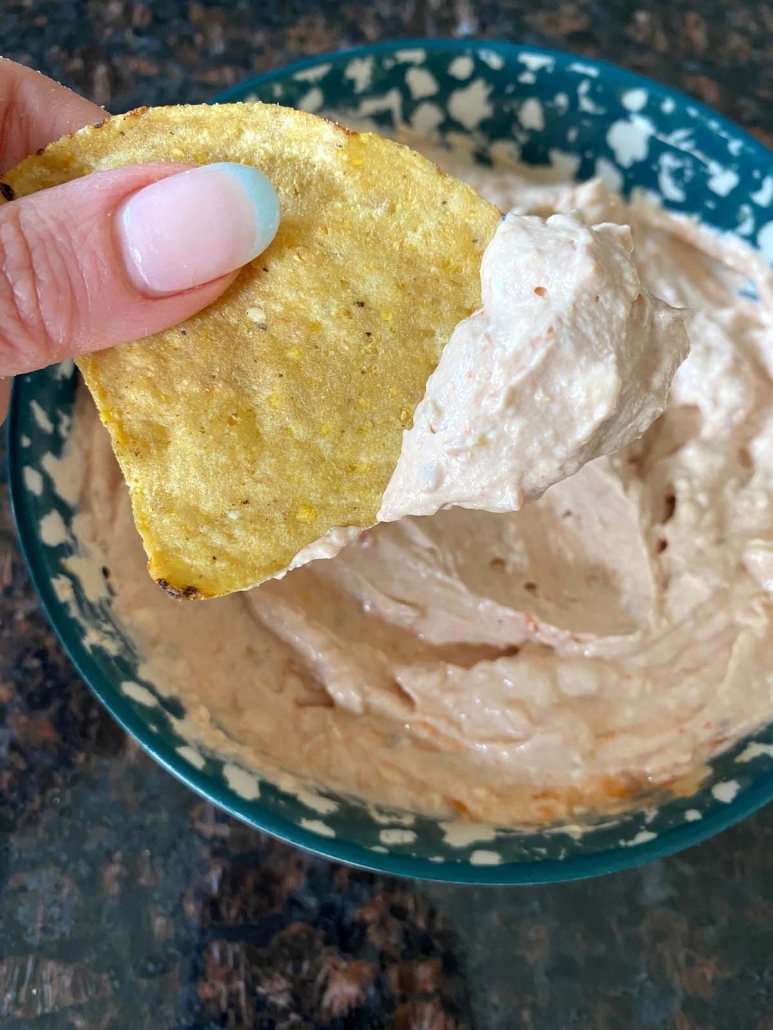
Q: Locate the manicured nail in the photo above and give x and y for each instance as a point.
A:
(191, 228)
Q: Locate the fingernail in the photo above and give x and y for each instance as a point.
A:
(191, 228)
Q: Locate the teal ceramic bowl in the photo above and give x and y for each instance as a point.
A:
(589, 118)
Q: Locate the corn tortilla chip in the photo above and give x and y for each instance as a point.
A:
(277, 413)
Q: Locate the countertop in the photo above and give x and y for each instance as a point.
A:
(125, 900)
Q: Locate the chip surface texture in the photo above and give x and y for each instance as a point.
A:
(277, 413)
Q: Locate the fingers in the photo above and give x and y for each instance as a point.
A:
(118, 255)
(34, 111)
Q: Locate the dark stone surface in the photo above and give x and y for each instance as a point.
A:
(125, 901)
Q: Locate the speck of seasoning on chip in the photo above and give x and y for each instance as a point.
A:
(257, 315)
(274, 400)
(306, 513)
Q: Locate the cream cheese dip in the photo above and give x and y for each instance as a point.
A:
(511, 667)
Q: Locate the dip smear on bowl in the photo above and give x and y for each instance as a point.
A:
(514, 667)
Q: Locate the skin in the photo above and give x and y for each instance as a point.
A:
(64, 289)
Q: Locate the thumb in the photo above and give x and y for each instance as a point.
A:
(118, 255)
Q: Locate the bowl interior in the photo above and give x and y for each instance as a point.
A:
(577, 119)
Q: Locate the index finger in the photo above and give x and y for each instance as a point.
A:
(35, 110)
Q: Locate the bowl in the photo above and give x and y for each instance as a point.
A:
(594, 119)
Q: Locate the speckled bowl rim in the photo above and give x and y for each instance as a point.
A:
(576, 867)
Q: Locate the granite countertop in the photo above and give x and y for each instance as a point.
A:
(125, 900)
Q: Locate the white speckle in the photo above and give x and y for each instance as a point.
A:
(241, 782)
(527, 77)
(87, 571)
(312, 74)
(469, 106)
(682, 139)
(536, 61)
(746, 221)
(563, 165)
(642, 837)
(62, 588)
(397, 836)
(572, 134)
(53, 531)
(257, 315)
(669, 188)
(492, 59)
(312, 101)
(629, 140)
(391, 101)
(426, 118)
(33, 480)
(764, 195)
(461, 67)
(436, 858)
(727, 791)
(42, 419)
(360, 71)
(94, 638)
(138, 693)
(692, 815)
(485, 858)
(277, 90)
(561, 103)
(609, 174)
(574, 831)
(386, 817)
(765, 241)
(505, 150)
(65, 369)
(755, 750)
(723, 180)
(668, 106)
(411, 56)
(635, 99)
(584, 101)
(531, 115)
(316, 802)
(67, 485)
(191, 756)
(734, 147)
(25, 441)
(233, 515)
(584, 69)
(65, 423)
(317, 826)
(461, 835)
(380, 849)
(421, 83)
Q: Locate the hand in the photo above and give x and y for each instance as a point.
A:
(117, 255)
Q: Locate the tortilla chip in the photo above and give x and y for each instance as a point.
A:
(278, 412)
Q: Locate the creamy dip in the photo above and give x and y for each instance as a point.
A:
(568, 358)
(509, 668)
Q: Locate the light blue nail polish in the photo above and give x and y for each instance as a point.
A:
(262, 197)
